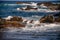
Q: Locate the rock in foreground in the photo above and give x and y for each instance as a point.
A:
(50, 19)
(13, 22)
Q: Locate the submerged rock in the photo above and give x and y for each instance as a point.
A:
(2, 22)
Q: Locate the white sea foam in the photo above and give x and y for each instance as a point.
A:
(16, 4)
(36, 22)
(33, 4)
(8, 18)
(18, 9)
(42, 5)
(42, 27)
(36, 26)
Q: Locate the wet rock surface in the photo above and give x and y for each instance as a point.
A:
(50, 19)
(16, 21)
(47, 19)
(13, 22)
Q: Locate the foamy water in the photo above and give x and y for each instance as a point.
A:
(43, 32)
(32, 31)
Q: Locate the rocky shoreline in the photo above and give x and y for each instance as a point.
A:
(16, 21)
(50, 5)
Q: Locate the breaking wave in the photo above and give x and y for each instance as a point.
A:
(43, 27)
(34, 26)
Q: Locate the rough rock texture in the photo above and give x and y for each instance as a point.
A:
(2, 22)
(31, 21)
(47, 19)
(51, 18)
(13, 22)
(15, 18)
(50, 5)
(57, 20)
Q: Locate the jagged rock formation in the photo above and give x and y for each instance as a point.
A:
(51, 19)
(17, 22)
(31, 21)
(50, 5)
(15, 18)
(28, 8)
(13, 22)
(47, 19)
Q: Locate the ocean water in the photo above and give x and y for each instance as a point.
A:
(31, 31)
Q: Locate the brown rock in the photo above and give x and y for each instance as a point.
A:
(2, 21)
(15, 18)
(57, 19)
(47, 19)
(22, 2)
(13, 24)
(31, 21)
